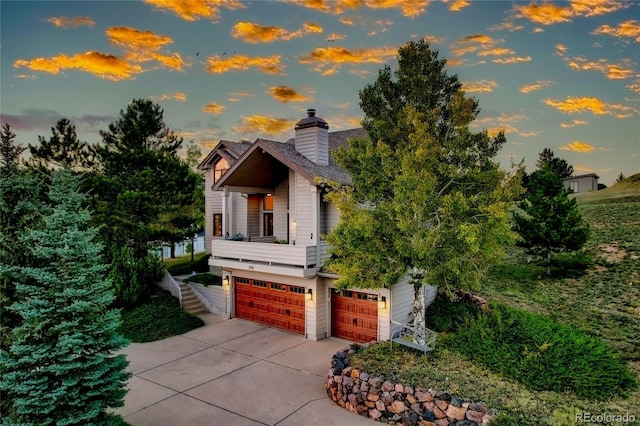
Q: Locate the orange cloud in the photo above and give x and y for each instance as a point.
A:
(347, 21)
(529, 134)
(611, 71)
(540, 84)
(264, 124)
(213, 108)
(458, 5)
(409, 8)
(561, 49)
(288, 94)
(630, 29)
(472, 43)
(498, 51)
(479, 86)
(102, 65)
(634, 87)
(512, 60)
(254, 33)
(590, 104)
(178, 96)
(66, 22)
(266, 64)
(432, 39)
(336, 36)
(328, 59)
(506, 26)
(573, 123)
(192, 10)
(549, 13)
(237, 96)
(143, 46)
(577, 146)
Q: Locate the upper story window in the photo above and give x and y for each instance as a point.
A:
(221, 166)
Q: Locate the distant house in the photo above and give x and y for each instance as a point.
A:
(265, 214)
(582, 183)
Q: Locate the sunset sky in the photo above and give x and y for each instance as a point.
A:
(562, 75)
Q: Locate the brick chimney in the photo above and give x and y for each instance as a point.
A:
(312, 138)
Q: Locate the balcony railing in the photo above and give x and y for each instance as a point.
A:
(265, 257)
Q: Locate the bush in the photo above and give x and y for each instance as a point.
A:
(543, 354)
(133, 278)
(445, 315)
(187, 267)
(158, 319)
(571, 263)
(205, 279)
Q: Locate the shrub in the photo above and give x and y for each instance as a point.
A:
(157, 319)
(570, 263)
(543, 354)
(205, 279)
(133, 278)
(445, 315)
(187, 267)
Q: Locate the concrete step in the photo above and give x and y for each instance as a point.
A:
(190, 302)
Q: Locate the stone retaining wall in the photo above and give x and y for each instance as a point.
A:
(394, 403)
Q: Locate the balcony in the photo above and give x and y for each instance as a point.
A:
(284, 259)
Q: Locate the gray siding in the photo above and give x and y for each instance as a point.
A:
(304, 213)
(208, 209)
(402, 301)
(280, 211)
(313, 143)
(254, 207)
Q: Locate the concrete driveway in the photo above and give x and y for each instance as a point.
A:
(232, 372)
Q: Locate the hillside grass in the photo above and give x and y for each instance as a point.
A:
(603, 302)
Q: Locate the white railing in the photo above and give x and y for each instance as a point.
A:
(169, 283)
(275, 255)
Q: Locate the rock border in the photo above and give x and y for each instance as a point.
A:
(395, 403)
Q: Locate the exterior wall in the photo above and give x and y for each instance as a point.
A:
(585, 183)
(280, 222)
(254, 216)
(313, 143)
(304, 211)
(329, 218)
(209, 196)
(401, 302)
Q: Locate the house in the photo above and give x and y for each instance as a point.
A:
(582, 183)
(265, 214)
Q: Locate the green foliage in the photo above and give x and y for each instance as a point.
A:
(206, 279)
(133, 278)
(559, 166)
(61, 367)
(446, 315)
(549, 220)
(144, 193)
(184, 266)
(62, 149)
(158, 319)
(543, 354)
(571, 264)
(426, 195)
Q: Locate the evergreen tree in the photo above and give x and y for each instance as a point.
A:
(61, 367)
(62, 149)
(620, 178)
(547, 159)
(142, 184)
(427, 198)
(550, 220)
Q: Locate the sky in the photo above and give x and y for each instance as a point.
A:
(559, 75)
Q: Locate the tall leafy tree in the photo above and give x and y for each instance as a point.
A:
(559, 166)
(549, 220)
(427, 198)
(62, 149)
(61, 367)
(141, 181)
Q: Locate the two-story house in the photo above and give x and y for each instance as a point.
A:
(265, 214)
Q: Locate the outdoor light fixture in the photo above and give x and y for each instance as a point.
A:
(225, 281)
(382, 302)
(309, 294)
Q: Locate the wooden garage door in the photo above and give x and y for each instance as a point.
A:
(273, 304)
(354, 315)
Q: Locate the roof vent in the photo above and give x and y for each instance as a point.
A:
(311, 112)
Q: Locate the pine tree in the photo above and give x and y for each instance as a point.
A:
(61, 367)
(62, 149)
(550, 220)
(547, 159)
(620, 178)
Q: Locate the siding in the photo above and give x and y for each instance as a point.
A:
(280, 211)
(208, 209)
(241, 207)
(313, 143)
(401, 302)
(304, 213)
(254, 207)
(213, 297)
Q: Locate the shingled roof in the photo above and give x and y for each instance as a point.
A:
(229, 150)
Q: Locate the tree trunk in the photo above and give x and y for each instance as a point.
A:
(548, 262)
(419, 316)
(193, 248)
(172, 254)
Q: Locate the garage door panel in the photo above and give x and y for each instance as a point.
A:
(273, 304)
(354, 316)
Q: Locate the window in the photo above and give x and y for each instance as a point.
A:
(573, 185)
(267, 215)
(219, 169)
(217, 224)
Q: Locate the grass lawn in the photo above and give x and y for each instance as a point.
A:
(181, 265)
(603, 302)
(158, 319)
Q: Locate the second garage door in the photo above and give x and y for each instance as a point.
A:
(273, 304)
(354, 315)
